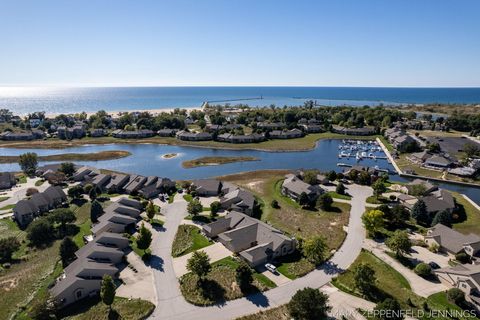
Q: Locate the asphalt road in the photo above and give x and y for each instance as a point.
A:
(172, 305)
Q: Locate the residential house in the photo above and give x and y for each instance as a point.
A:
(451, 241)
(253, 240)
(118, 217)
(286, 134)
(191, 136)
(207, 187)
(7, 180)
(85, 173)
(135, 183)
(16, 136)
(137, 134)
(238, 200)
(96, 133)
(101, 181)
(365, 131)
(167, 132)
(76, 132)
(312, 128)
(293, 187)
(465, 277)
(439, 200)
(438, 162)
(117, 182)
(28, 209)
(268, 126)
(247, 138)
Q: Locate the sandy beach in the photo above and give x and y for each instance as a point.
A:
(117, 112)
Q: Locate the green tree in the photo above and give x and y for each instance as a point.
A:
(309, 304)
(94, 192)
(444, 217)
(43, 308)
(423, 269)
(63, 217)
(389, 309)
(40, 232)
(471, 149)
(379, 188)
(96, 211)
(420, 214)
(150, 210)
(7, 247)
(303, 199)
(244, 276)
(310, 176)
(331, 175)
(28, 163)
(340, 189)
(68, 168)
(373, 221)
(456, 296)
(107, 291)
(194, 207)
(364, 278)
(75, 191)
(325, 202)
(399, 243)
(144, 238)
(67, 251)
(215, 207)
(199, 264)
(315, 250)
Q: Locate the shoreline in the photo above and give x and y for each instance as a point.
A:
(303, 144)
(155, 111)
(92, 156)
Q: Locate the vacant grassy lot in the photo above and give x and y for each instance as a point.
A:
(220, 284)
(213, 161)
(390, 284)
(94, 156)
(188, 239)
(124, 309)
(83, 222)
(291, 218)
(305, 143)
(279, 313)
(472, 223)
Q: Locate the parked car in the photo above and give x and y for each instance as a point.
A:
(433, 265)
(270, 267)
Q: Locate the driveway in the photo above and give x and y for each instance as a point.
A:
(172, 305)
(419, 285)
(216, 251)
(421, 254)
(278, 278)
(137, 284)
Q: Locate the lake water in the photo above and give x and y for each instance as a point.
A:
(146, 159)
(23, 100)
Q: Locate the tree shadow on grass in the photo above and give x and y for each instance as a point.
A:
(211, 290)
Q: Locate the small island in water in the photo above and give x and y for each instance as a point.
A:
(214, 161)
(169, 155)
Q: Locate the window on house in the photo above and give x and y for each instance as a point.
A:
(79, 294)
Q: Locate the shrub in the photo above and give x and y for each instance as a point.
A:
(31, 191)
(274, 204)
(423, 270)
(456, 296)
(462, 257)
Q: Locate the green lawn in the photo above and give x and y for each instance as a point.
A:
(22, 179)
(376, 200)
(336, 195)
(172, 197)
(125, 309)
(8, 207)
(472, 223)
(83, 221)
(39, 183)
(291, 218)
(188, 239)
(188, 197)
(390, 284)
(278, 313)
(4, 198)
(220, 284)
(295, 266)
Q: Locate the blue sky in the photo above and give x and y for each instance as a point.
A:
(247, 42)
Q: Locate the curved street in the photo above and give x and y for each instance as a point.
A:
(172, 305)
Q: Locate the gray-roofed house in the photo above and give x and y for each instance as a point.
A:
(101, 181)
(465, 277)
(7, 180)
(167, 132)
(207, 187)
(191, 136)
(365, 131)
(452, 241)
(238, 200)
(437, 161)
(286, 134)
(135, 183)
(439, 200)
(26, 210)
(293, 187)
(118, 217)
(117, 182)
(83, 172)
(255, 241)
